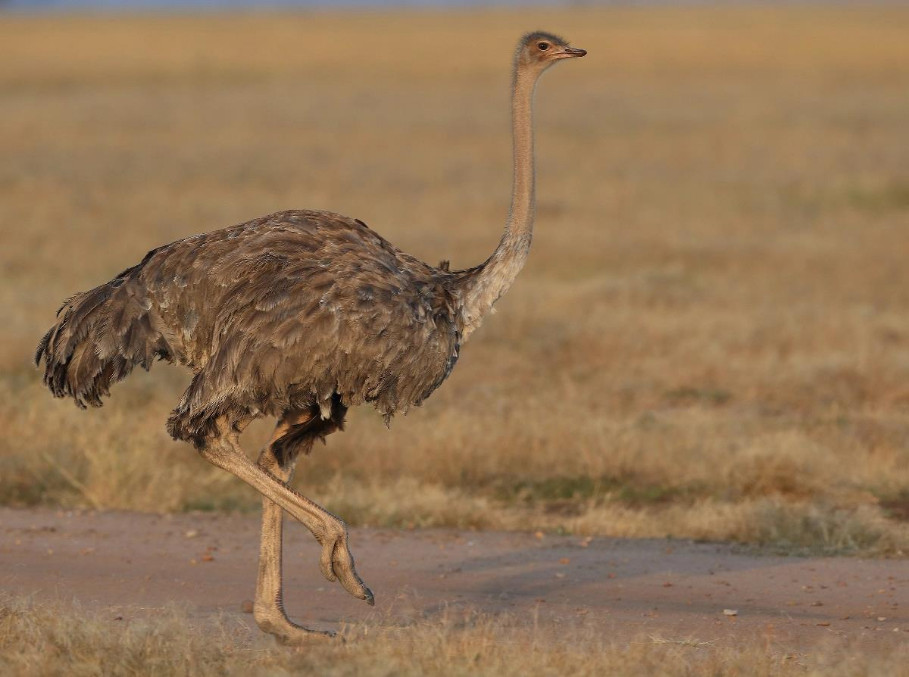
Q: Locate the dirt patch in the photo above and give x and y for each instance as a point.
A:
(130, 562)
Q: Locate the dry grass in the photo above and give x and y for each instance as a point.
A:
(59, 640)
(710, 339)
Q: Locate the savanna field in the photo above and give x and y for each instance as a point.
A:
(710, 340)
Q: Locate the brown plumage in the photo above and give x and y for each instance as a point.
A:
(297, 315)
(281, 313)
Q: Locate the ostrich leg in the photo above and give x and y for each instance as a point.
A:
(336, 561)
(269, 606)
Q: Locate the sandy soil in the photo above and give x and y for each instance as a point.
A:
(127, 563)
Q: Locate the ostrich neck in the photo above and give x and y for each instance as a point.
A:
(482, 286)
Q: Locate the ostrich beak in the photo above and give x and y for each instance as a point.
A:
(568, 52)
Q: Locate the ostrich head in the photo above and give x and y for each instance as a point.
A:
(537, 51)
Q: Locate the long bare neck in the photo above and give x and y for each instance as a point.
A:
(482, 286)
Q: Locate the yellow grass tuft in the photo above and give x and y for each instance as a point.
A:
(59, 639)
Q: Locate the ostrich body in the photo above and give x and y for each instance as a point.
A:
(297, 315)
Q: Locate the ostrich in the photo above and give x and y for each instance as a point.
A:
(298, 315)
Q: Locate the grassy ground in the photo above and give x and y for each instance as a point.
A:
(710, 339)
(53, 639)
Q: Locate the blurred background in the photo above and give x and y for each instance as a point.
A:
(711, 338)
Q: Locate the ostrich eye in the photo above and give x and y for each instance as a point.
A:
(543, 46)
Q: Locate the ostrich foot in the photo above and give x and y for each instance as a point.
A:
(272, 620)
(337, 562)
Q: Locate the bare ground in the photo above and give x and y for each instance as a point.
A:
(129, 564)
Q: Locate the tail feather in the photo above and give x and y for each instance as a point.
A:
(100, 336)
